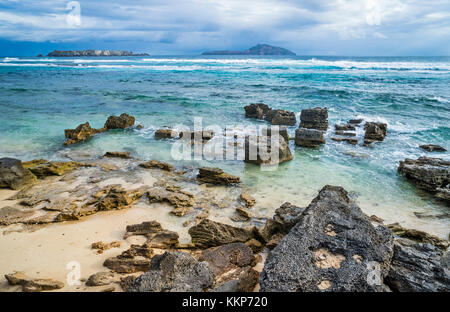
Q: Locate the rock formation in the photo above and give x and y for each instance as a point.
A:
(121, 122)
(314, 118)
(13, 175)
(374, 132)
(261, 150)
(216, 176)
(309, 137)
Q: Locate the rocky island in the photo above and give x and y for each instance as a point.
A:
(75, 53)
(259, 49)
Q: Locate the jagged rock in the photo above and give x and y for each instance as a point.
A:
(418, 267)
(156, 164)
(10, 215)
(121, 122)
(430, 174)
(374, 132)
(241, 215)
(127, 265)
(432, 148)
(210, 234)
(125, 155)
(165, 134)
(254, 245)
(174, 271)
(281, 131)
(80, 133)
(32, 284)
(314, 118)
(287, 215)
(42, 168)
(181, 200)
(262, 151)
(418, 236)
(13, 175)
(216, 176)
(240, 280)
(332, 247)
(116, 197)
(258, 110)
(348, 140)
(309, 137)
(105, 246)
(157, 237)
(200, 135)
(247, 199)
(347, 127)
(281, 117)
(101, 279)
(224, 258)
(139, 127)
(144, 250)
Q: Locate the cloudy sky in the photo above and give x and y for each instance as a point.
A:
(307, 27)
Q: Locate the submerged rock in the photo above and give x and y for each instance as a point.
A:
(80, 133)
(432, 148)
(247, 199)
(121, 122)
(374, 131)
(156, 164)
(32, 284)
(309, 137)
(314, 118)
(174, 271)
(430, 174)
(263, 150)
(13, 175)
(216, 176)
(333, 247)
(124, 155)
(348, 140)
(418, 267)
(210, 234)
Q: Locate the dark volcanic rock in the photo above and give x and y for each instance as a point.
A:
(121, 122)
(210, 234)
(430, 174)
(216, 176)
(13, 175)
(261, 150)
(124, 155)
(418, 267)
(333, 247)
(309, 137)
(432, 148)
(314, 118)
(174, 271)
(374, 131)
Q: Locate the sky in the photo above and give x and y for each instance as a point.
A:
(185, 27)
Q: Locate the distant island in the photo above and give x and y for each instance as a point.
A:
(71, 53)
(259, 49)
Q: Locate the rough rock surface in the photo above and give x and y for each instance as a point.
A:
(210, 234)
(374, 131)
(314, 118)
(333, 247)
(216, 176)
(281, 117)
(124, 155)
(181, 200)
(430, 174)
(432, 148)
(42, 168)
(101, 279)
(281, 131)
(121, 122)
(156, 164)
(127, 265)
(418, 236)
(165, 134)
(258, 110)
(32, 284)
(116, 197)
(418, 267)
(259, 150)
(156, 236)
(174, 271)
(13, 175)
(344, 127)
(309, 137)
(247, 199)
(80, 133)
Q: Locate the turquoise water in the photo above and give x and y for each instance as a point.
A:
(40, 97)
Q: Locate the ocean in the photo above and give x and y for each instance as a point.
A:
(40, 97)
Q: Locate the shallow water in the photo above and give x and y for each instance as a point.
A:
(40, 97)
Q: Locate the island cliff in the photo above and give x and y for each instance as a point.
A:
(74, 53)
(259, 49)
